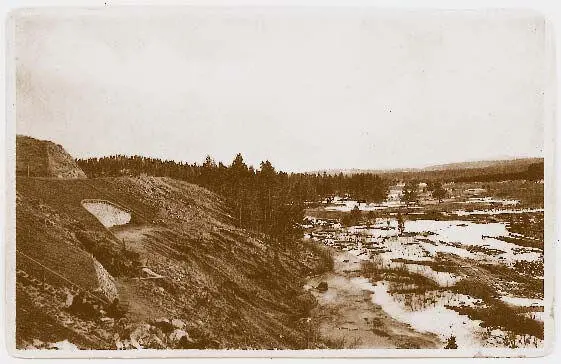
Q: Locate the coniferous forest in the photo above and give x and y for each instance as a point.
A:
(263, 199)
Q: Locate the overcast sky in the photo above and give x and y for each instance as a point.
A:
(306, 89)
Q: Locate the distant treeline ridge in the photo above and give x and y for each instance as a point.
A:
(263, 199)
(534, 172)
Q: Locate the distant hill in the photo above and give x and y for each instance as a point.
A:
(41, 158)
(505, 164)
(502, 164)
(509, 169)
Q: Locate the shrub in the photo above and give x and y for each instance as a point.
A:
(324, 254)
(451, 343)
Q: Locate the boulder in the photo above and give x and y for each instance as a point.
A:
(69, 299)
(322, 287)
(164, 324)
(37, 344)
(181, 339)
(154, 342)
(63, 345)
(119, 344)
(140, 336)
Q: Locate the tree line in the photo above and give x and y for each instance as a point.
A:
(262, 199)
(534, 172)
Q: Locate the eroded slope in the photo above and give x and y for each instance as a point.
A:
(179, 259)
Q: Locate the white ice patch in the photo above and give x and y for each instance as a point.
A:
(491, 200)
(363, 284)
(339, 284)
(405, 248)
(64, 345)
(106, 281)
(521, 301)
(466, 233)
(495, 212)
(436, 319)
(443, 279)
(498, 337)
(538, 316)
(433, 237)
(107, 213)
(435, 248)
(347, 206)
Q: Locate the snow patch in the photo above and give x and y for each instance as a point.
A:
(435, 319)
(107, 212)
(521, 301)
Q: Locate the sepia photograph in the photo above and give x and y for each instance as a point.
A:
(295, 180)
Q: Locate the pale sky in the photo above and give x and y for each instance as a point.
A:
(307, 89)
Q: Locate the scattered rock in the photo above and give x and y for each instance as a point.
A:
(164, 324)
(69, 299)
(63, 345)
(37, 343)
(181, 339)
(140, 336)
(107, 321)
(119, 345)
(178, 324)
(154, 342)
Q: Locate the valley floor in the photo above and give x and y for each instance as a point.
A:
(462, 283)
(348, 317)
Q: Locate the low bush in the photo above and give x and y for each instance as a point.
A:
(118, 260)
(474, 288)
(324, 254)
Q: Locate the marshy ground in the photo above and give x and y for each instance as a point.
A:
(471, 272)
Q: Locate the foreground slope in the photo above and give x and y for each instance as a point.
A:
(178, 259)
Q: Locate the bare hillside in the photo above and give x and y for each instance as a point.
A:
(184, 275)
(41, 158)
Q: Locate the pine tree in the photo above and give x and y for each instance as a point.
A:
(438, 192)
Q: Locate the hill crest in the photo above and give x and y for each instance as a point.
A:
(42, 158)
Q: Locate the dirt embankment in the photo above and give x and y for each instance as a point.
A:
(179, 258)
(41, 158)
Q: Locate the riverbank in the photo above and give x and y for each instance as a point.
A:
(347, 317)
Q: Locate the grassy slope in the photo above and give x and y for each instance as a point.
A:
(229, 285)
